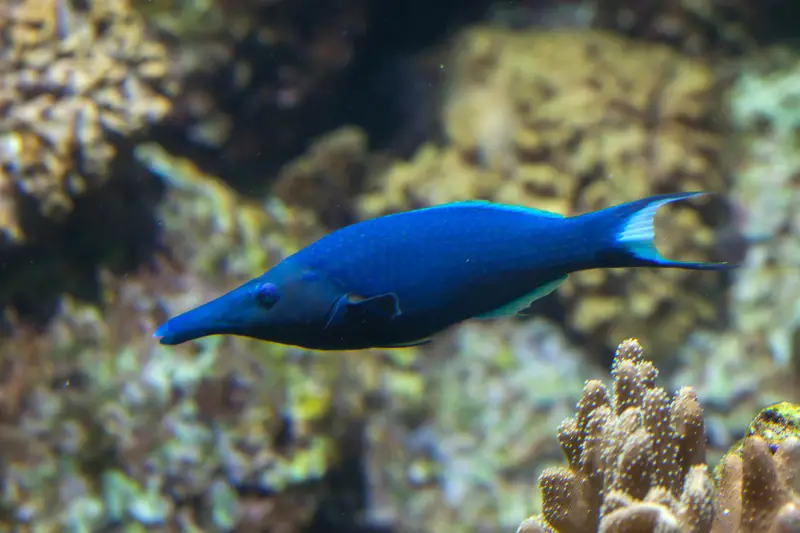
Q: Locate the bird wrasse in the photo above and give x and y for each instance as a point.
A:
(397, 280)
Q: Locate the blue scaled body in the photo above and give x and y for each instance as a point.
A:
(399, 279)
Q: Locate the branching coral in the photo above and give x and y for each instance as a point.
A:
(733, 377)
(759, 479)
(635, 459)
(759, 488)
(77, 77)
(636, 462)
(574, 121)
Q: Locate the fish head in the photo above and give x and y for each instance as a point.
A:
(282, 305)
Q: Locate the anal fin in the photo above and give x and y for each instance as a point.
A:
(513, 308)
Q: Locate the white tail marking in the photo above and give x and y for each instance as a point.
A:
(639, 228)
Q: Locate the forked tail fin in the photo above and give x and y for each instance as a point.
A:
(630, 237)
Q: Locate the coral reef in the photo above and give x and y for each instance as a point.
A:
(77, 78)
(572, 121)
(211, 232)
(84, 81)
(462, 457)
(698, 27)
(106, 428)
(764, 299)
(327, 178)
(261, 79)
(759, 489)
(756, 362)
(102, 429)
(733, 377)
(127, 432)
(636, 459)
(189, 20)
(775, 423)
(636, 462)
(759, 479)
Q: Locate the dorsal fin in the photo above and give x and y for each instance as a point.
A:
(491, 205)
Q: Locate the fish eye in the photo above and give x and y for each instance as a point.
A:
(267, 295)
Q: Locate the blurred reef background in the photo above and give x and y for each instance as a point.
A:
(156, 153)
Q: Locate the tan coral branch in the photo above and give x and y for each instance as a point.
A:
(636, 463)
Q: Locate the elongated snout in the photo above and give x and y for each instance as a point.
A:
(229, 313)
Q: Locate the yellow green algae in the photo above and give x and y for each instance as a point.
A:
(776, 423)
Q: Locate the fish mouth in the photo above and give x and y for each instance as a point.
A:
(169, 338)
(220, 316)
(170, 333)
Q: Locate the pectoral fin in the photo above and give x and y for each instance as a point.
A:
(518, 306)
(374, 310)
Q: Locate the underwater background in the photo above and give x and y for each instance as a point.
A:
(157, 153)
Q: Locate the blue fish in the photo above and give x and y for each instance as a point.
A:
(399, 279)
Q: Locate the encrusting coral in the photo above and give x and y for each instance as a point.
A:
(76, 77)
(572, 121)
(636, 463)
